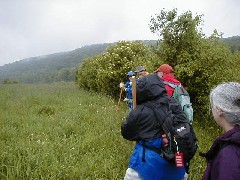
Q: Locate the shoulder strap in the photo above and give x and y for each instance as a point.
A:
(159, 119)
(172, 84)
(165, 122)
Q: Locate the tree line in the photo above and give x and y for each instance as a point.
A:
(200, 62)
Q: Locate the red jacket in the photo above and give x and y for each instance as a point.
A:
(170, 78)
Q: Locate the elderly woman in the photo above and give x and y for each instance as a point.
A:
(224, 156)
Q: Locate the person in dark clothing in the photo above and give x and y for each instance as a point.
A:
(165, 72)
(224, 155)
(141, 126)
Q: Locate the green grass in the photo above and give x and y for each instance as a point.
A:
(57, 131)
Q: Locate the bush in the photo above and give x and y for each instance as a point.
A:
(104, 72)
(9, 81)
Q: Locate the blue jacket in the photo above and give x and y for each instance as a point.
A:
(140, 125)
(128, 89)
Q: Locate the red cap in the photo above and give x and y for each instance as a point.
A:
(164, 68)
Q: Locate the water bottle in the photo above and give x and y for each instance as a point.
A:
(165, 141)
(166, 148)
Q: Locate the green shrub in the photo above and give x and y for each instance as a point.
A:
(104, 72)
(9, 81)
(199, 62)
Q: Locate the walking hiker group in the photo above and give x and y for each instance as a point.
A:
(127, 87)
(161, 125)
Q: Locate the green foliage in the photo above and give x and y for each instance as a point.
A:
(80, 140)
(233, 43)
(104, 72)
(56, 131)
(178, 34)
(199, 62)
(9, 81)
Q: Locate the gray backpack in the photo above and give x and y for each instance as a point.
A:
(182, 96)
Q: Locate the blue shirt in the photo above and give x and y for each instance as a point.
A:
(128, 89)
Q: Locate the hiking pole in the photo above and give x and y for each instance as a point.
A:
(120, 97)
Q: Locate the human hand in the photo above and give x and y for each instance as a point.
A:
(121, 85)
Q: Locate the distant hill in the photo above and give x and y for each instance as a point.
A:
(233, 42)
(50, 68)
(62, 66)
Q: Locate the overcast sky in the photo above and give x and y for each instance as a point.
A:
(31, 28)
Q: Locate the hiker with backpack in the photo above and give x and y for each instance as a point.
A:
(223, 158)
(164, 136)
(175, 89)
(127, 87)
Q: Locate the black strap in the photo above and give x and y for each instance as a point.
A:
(159, 121)
(159, 151)
(144, 148)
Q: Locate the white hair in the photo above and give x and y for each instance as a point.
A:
(227, 97)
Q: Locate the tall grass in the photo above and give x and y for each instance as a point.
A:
(56, 131)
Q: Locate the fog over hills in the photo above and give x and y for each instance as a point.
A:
(51, 67)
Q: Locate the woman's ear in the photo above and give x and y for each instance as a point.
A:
(219, 110)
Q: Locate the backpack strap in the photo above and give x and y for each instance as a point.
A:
(172, 84)
(158, 120)
(144, 149)
(159, 123)
(157, 150)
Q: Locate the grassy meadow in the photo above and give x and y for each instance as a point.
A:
(58, 131)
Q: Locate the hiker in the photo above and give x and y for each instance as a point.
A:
(165, 72)
(141, 71)
(141, 125)
(224, 155)
(127, 87)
